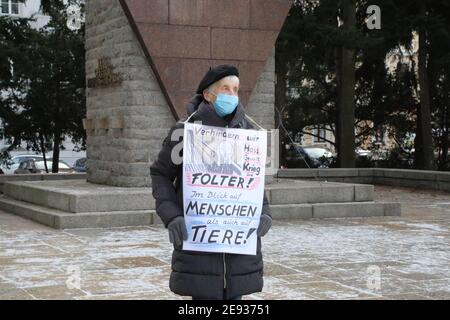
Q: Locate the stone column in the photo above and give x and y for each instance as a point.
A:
(128, 119)
(261, 106)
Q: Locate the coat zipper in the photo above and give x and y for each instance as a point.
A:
(224, 272)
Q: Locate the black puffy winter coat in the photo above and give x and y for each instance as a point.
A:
(202, 274)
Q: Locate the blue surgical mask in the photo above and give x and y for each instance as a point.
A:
(225, 104)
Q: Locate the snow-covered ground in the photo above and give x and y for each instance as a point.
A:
(405, 257)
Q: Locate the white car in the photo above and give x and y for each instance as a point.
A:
(31, 166)
(362, 152)
(15, 161)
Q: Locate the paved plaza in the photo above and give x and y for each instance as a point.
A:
(405, 257)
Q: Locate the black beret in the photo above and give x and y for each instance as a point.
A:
(215, 74)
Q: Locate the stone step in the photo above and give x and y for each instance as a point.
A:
(79, 196)
(335, 210)
(304, 191)
(64, 220)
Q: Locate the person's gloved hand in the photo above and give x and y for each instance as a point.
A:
(177, 231)
(265, 223)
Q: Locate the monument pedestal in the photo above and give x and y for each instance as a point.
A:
(142, 66)
(67, 204)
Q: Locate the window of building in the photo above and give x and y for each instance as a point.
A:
(5, 6)
(319, 134)
(9, 6)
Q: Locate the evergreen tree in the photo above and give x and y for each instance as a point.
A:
(42, 73)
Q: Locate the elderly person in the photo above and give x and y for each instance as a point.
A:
(206, 275)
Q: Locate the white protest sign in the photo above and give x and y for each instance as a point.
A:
(223, 187)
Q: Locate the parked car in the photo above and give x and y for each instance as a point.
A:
(308, 157)
(362, 152)
(322, 157)
(80, 165)
(15, 161)
(33, 166)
